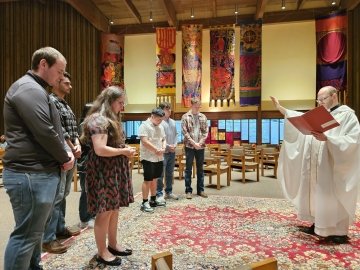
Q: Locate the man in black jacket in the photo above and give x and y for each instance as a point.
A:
(35, 154)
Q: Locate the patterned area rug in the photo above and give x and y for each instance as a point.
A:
(215, 233)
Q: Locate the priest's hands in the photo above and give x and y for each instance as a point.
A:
(319, 136)
(277, 105)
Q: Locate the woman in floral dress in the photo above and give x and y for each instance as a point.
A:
(108, 176)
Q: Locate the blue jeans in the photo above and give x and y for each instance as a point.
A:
(57, 221)
(32, 198)
(169, 164)
(84, 215)
(190, 154)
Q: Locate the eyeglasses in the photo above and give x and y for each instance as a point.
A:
(321, 100)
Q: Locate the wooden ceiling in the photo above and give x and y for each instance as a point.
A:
(133, 16)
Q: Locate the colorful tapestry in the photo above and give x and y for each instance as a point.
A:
(221, 232)
(165, 60)
(250, 63)
(112, 60)
(222, 59)
(331, 43)
(192, 62)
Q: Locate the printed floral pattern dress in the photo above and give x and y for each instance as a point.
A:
(108, 179)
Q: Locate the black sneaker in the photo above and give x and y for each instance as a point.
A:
(158, 202)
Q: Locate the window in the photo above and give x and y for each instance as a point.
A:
(231, 130)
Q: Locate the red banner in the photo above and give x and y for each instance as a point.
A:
(165, 63)
(112, 60)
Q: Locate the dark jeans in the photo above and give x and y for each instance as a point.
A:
(190, 154)
(84, 215)
(32, 197)
(57, 221)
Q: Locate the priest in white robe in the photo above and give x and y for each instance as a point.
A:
(320, 173)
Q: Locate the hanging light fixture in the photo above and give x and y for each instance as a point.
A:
(111, 21)
(192, 10)
(236, 9)
(283, 4)
(333, 3)
(192, 13)
(150, 15)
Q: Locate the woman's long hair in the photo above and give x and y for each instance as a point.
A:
(102, 106)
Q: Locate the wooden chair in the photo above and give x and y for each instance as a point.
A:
(269, 157)
(223, 150)
(162, 261)
(180, 161)
(213, 166)
(214, 147)
(267, 264)
(237, 159)
(75, 180)
(135, 160)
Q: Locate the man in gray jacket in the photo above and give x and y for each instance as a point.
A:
(35, 154)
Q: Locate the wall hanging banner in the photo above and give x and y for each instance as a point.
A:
(250, 63)
(112, 60)
(331, 43)
(165, 61)
(192, 62)
(222, 59)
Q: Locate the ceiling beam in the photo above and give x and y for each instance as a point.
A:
(293, 15)
(300, 4)
(273, 17)
(260, 9)
(129, 4)
(90, 12)
(150, 27)
(214, 8)
(170, 12)
(350, 4)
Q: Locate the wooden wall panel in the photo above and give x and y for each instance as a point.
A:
(28, 25)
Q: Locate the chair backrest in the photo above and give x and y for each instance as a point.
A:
(207, 153)
(179, 150)
(260, 146)
(269, 150)
(237, 151)
(224, 146)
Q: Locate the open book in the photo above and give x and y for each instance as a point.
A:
(318, 119)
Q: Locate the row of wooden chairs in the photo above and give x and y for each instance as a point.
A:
(222, 158)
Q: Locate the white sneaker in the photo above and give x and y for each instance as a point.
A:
(89, 224)
(171, 196)
(146, 207)
(159, 201)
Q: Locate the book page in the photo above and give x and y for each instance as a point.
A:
(318, 119)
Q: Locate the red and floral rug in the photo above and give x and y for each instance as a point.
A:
(216, 233)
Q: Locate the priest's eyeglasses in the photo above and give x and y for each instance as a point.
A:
(321, 100)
